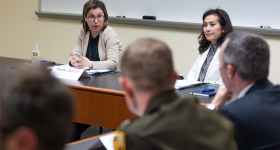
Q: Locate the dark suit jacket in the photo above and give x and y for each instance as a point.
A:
(171, 123)
(256, 117)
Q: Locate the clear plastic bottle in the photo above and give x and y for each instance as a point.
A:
(36, 54)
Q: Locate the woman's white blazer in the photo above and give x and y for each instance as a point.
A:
(213, 72)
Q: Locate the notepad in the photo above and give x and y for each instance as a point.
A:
(180, 84)
(204, 92)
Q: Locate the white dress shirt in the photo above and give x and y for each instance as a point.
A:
(241, 94)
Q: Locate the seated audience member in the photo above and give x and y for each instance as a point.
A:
(36, 111)
(256, 111)
(216, 26)
(166, 120)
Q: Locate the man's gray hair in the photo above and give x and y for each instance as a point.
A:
(249, 54)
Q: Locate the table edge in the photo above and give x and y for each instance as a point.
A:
(87, 139)
(96, 89)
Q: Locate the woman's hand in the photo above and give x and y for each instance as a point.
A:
(75, 61)
(86, 62)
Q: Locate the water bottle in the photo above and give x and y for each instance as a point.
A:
(36, 54)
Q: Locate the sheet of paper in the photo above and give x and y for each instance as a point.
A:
(185, 83)
(108, 141)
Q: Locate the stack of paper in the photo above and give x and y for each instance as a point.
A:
(185, 83)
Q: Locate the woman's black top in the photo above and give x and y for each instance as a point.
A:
(92, 50)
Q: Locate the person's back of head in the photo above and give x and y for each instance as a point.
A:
(147, 70)
(36, 110)
(249, 54)
(148, 63)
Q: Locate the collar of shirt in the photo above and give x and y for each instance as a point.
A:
(214, 47)
(245, 90)
(241, 94)
(159, 100)
(94, 39)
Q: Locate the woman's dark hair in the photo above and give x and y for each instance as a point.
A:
(225, 23)
(93, 4)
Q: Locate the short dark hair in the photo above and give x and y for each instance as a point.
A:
(249, 53)
(148, 62)
(225, 23)
(33, 98)
(93, 4)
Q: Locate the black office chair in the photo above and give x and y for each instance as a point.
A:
(180, 77)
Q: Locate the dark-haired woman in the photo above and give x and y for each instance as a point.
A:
(97, 45)
(216, 25)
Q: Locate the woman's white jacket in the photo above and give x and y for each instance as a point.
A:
(213, 72)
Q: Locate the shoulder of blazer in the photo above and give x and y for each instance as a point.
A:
(204, 54)
(82, 34)
(109, 31)
(201, 59)
(259, 85)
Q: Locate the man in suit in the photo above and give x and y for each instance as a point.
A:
(36, 110)
(166, 121)
(255, 113)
